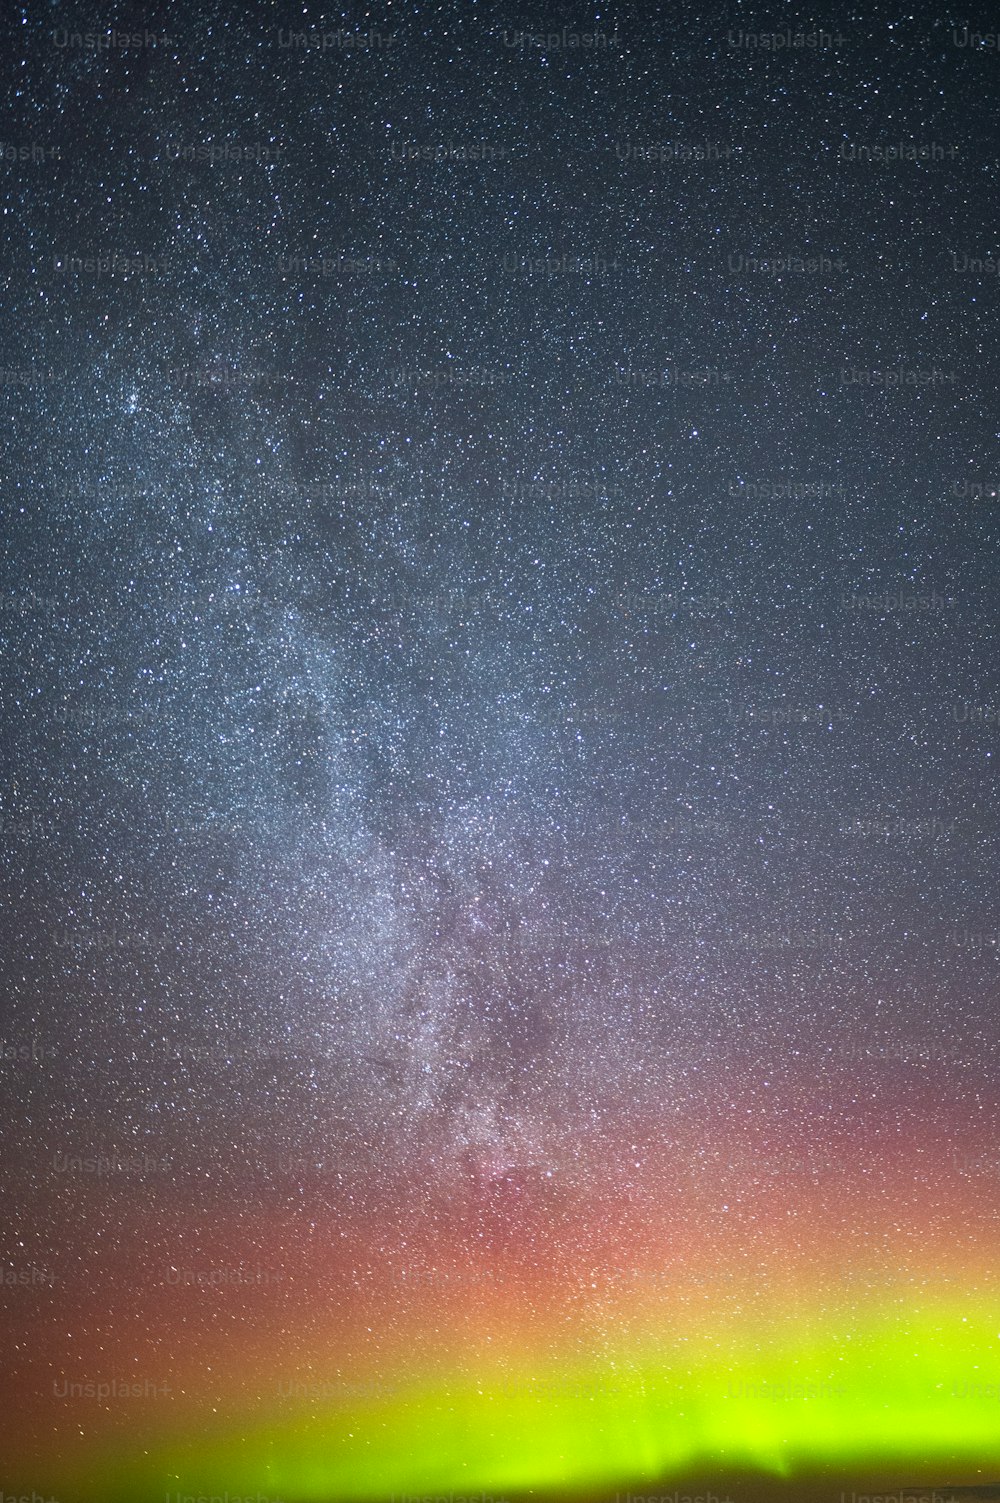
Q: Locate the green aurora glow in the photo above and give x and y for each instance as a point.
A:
(915, 1390)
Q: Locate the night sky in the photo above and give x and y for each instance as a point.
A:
(500, 714)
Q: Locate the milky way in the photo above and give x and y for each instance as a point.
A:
(498, 609)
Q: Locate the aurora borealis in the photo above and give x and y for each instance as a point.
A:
(500, 942)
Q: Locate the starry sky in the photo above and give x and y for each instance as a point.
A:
(499, 719)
